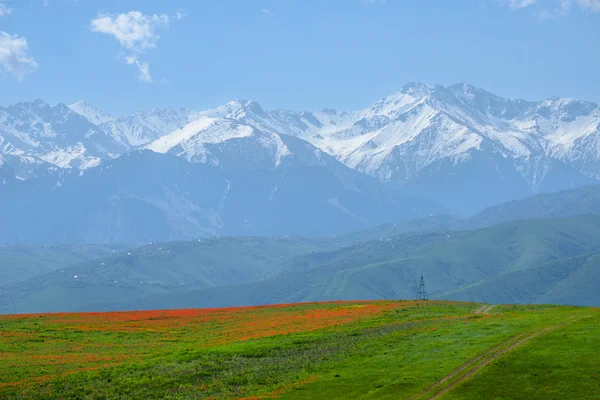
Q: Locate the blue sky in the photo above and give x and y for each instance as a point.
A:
(294, 54)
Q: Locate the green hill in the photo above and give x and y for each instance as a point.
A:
(454, 265)
(343, 350)
(19, 263)
(574, 280)
(156, 269)
(566, 203)
(535, 260)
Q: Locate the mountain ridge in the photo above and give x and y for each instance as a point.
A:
(433, 141)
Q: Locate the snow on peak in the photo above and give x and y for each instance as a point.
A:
(175, 138)
(416, 89)
(392, 105)
(221, 111)
(90, 112)
(405, 131)
(252, 107)
(274, 142)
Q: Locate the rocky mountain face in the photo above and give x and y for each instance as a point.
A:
(459, 145)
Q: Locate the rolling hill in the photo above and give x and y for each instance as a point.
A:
(545, 254)
(390, 268)
(384, 350)
(147, 270)
(23, 262)
(565, 203)
(574, 280)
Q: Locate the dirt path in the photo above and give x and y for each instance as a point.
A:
(484, 360)
(467, 365)
(480, 309)
(488, 308)
(484, 309)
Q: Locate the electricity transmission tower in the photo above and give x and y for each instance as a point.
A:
(422, 293)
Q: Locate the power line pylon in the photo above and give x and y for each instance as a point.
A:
(422, 293)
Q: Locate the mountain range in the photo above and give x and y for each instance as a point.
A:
(423, 150)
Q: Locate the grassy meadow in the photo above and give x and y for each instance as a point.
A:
(338, 350)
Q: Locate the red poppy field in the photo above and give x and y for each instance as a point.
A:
(380, 349)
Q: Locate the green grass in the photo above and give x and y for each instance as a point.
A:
(367, 350)
(563, 363)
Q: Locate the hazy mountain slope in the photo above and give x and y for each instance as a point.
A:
(147, 196)
(584, 200)
(19, 263)
(151, 269)
(549, 257)
(429, 224)
(7, 173)
(566, 203)
(390, 268)
(573, 280)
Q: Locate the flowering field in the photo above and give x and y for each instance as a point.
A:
(382, 349)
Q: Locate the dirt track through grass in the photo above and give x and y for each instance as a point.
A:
(492, 355)
(484, 309)
(465, 366)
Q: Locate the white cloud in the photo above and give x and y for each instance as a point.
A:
(552, 8)
(4, 10)
(14, 56)
(591, 5)
(134, 30)
(517, 4)
(136, 33)
(560, 10)
(144, 68)
(268, 12)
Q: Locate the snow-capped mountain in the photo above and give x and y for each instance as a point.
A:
(37, 133)
(229, 143)
(135, 130)
(142, 128)
(448, 142)
(39, 136)
(91, 113)
(401, 135)
(459, 144)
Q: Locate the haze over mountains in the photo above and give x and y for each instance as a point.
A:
(542, 249)
(76, 174)
(550, 257)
